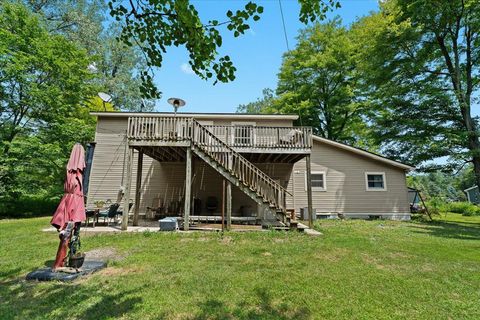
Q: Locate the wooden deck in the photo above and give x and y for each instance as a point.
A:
(179, 131)
(230, 150)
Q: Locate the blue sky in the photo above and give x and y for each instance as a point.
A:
(257, 55)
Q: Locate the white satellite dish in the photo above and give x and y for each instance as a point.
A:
(105, 97)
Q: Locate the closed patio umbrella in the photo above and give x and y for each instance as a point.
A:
(72, 207)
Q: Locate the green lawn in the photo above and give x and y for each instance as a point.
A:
(357, 269)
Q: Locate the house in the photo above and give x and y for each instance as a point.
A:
(256, 167)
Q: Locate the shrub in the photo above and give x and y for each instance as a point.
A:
(436, 205)
(27, 206)
(464, 208)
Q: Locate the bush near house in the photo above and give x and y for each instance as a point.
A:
(437, 205)
(27, 206)
(464, 208)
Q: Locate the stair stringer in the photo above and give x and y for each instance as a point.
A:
(265, 212)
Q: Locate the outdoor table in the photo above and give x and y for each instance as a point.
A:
(92, 213)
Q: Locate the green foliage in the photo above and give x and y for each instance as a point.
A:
(443, 185)
(44, 83)
(27, 206)
(118, 72)
(54, 58)
(318, 81)
(158, 24)
(261, 105)
(464, 208)
(436, 205)
(115, 65)
(420, 61)
(47, 95)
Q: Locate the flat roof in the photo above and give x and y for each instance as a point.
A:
(365, 153)
(196, 115)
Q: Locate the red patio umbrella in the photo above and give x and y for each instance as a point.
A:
(72, 207)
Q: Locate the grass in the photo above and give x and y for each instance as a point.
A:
(357, 269)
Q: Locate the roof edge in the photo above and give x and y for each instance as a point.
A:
(365, 153)
(196, 115)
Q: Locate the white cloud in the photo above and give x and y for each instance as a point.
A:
(185, 67)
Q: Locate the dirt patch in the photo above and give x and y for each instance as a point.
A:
(103, 254)
(373, 261)
(226, 240)
(116, 271)
(333, 256)
(400, 255)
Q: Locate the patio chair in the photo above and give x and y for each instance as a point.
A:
(292, 137)
(212, 204)
(120, 212)
(111, 213)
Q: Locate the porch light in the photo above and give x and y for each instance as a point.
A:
(176, 103)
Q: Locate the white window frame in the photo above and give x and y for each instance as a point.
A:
(324, 173)
(367, 188)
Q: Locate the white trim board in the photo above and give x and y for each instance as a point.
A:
(315, 189)
(367, 188)
(225, 116)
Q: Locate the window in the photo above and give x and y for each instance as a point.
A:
(375, 181)
(318, 181)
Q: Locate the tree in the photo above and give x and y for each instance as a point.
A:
(117, 65)
(421, 60)
(317, 81)
(43, 81)
(157, 24)
(260, 105)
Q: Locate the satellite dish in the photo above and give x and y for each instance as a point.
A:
(105, 96)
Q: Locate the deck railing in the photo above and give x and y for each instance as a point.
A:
(246, 172)
(205, 138)
(238, 136)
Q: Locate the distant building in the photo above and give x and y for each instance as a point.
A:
(473, 195)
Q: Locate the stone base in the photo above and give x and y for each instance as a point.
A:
(47, 274)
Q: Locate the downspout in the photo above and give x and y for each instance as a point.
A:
(88, 168)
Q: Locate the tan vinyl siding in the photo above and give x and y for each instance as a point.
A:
(346, 186)
(345, 176)
(161, 182)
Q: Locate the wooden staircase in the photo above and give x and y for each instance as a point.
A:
(266, 192)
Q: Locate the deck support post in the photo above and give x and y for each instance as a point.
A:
(309, 191)
(229, 205)
(126, 188)
(138, 186)
(188, 189)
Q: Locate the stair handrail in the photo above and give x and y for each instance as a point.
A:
(244, 170)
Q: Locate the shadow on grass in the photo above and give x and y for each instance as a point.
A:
(5, 274)
(20, 299)
(453, 230)
(265, 308)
